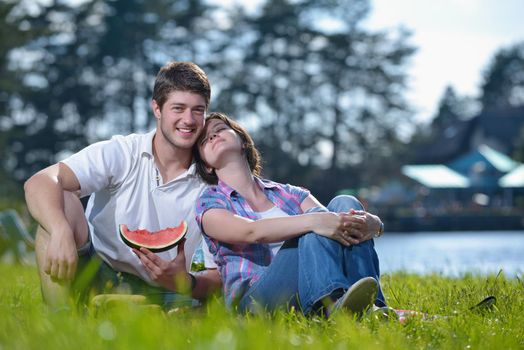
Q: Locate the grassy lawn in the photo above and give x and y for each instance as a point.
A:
(25, 323)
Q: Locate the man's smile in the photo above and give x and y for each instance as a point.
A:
(186, 130)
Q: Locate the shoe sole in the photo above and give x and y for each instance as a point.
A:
(360, 295)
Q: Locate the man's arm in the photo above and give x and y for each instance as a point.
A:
(44, 194)
(208, 282)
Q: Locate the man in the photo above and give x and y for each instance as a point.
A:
(145, 181)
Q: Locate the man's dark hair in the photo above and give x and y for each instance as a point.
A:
(180, 76)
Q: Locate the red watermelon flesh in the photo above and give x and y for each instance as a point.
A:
(158, 241)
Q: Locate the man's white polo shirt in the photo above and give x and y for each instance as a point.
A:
(122, 178)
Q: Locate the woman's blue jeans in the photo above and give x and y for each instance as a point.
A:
(310, 267)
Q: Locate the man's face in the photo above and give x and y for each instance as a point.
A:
(181, 118)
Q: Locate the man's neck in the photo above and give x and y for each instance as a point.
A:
(171, 161)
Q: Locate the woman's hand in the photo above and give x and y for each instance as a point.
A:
(335, 226)
(362, 225)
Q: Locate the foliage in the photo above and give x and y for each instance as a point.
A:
(87, 63)
(452, 111)
(320, 99)
(315, 98)
(12, 35)
(518, 154)
(504, 79)
(28, 324)
(453, 108)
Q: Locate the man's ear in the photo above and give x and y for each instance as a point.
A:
(156, 109)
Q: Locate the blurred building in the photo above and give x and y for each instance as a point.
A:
(499, 129)
(466, 178)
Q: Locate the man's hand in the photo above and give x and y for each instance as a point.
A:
(172, 274)
(362, 225)
(61, 257)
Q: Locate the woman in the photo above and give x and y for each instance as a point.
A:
(275, 244)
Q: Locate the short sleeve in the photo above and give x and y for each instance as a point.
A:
(101, 165)
(299, 194)
(211, 198)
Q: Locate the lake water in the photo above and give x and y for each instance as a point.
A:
(448, 253)
(453, 253)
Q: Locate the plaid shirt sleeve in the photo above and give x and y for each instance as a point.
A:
(299, 194)
(211, 198)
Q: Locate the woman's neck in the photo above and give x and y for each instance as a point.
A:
(238, 176)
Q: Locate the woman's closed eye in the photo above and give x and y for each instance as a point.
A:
(220, 129)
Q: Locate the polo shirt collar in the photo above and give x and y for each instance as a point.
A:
(229, 191)
(147, 148)
(147, 145)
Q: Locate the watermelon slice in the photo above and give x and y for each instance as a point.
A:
(158, 241)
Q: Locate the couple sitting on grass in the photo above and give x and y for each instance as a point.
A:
(270, 245)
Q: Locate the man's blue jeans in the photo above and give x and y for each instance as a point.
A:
(310, 267)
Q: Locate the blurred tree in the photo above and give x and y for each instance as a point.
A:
(453, 108)
(139, 37)
(60, 87)
(518, 153)
(12, 34)
(89, 71)
(447, 135)
(264, 83)
(360, 98)
(328, 96)
(447, 111)
(323, 96)
(504, 79)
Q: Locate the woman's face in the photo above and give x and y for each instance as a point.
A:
(219, 141)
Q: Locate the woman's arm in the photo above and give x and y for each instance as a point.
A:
(360, 225)
(227, 227)
(310, 202)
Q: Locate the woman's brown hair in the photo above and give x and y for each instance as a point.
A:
(251, 152)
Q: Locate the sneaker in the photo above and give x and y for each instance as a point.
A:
(358, 298)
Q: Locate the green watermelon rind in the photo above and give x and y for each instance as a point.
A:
(122, 229)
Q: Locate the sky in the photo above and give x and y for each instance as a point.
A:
(456, 41)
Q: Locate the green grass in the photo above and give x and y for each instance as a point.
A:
(25, 323)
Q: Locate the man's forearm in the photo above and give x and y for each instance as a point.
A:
(208, 282)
